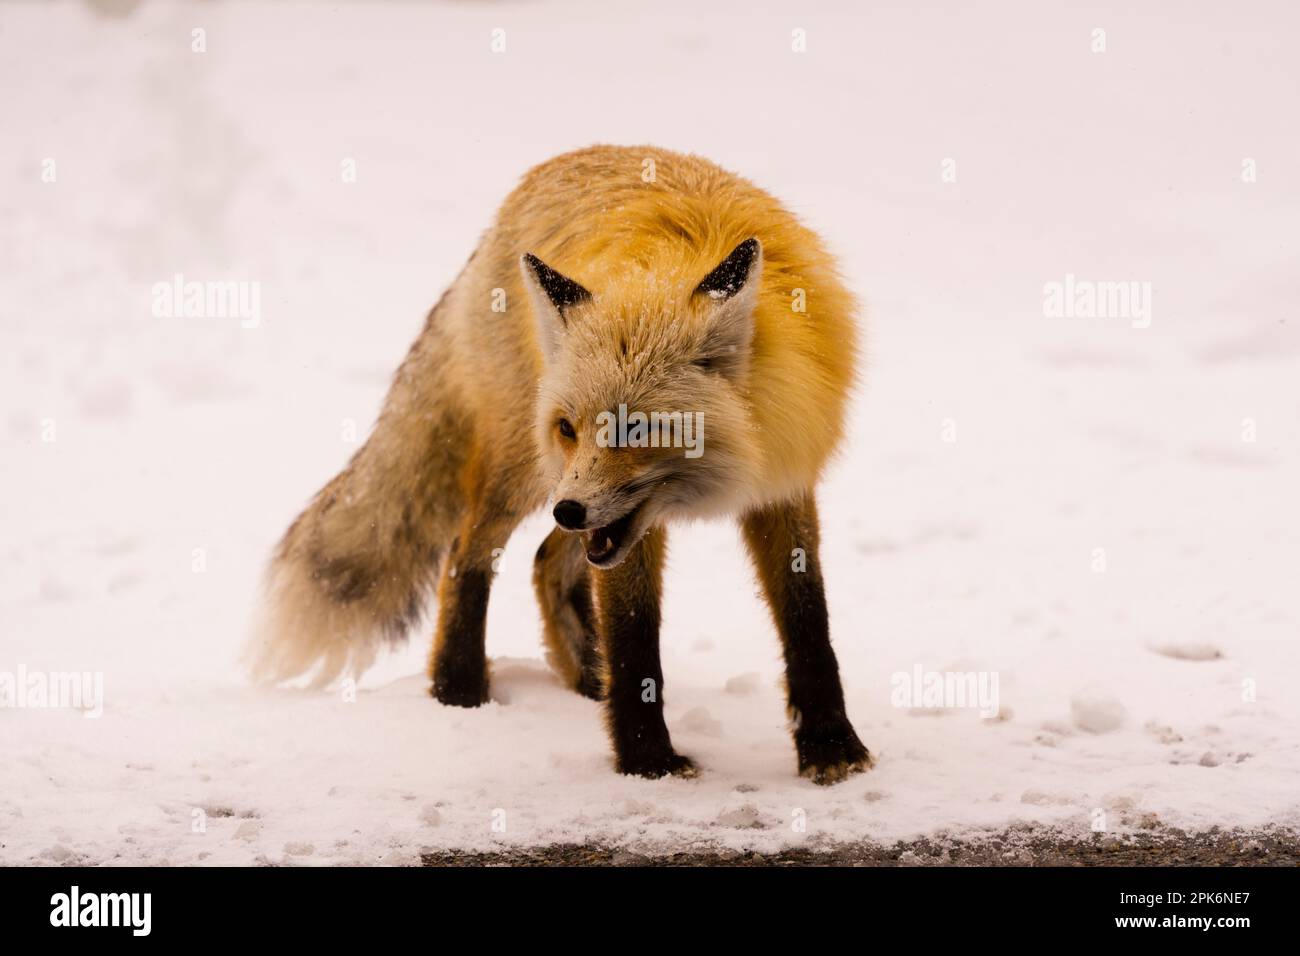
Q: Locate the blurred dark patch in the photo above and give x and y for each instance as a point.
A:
(113, 9)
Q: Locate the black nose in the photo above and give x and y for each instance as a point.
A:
(570, 514)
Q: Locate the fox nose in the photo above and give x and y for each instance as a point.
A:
(570, 514)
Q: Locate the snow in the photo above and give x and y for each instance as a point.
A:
(1072, 504)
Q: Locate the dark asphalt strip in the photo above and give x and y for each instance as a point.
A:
(1011, 848)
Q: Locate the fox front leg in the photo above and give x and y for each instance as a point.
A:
(628, 620)
(783, 543)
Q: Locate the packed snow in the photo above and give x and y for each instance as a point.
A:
(1094, 516)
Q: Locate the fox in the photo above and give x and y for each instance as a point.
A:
(613, 280)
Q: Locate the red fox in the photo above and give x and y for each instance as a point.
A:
(626, 281)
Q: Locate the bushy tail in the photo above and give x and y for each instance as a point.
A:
(355, 570)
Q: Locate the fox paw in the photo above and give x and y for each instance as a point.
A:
(590, 686)
(459, 693)
(659, 766)
(830, 759)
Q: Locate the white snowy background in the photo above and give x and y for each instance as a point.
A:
(1127, 691)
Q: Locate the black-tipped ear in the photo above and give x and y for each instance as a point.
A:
(732, 295)
(731, 274)
(560, 289)
(551, 294)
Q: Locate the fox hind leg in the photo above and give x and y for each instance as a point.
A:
(459, 662)
(458, 665)
(562, 580)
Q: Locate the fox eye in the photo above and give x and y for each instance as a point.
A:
(566, 429)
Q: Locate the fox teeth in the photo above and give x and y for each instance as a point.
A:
(599, 543)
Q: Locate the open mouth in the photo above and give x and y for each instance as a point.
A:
(605, 544)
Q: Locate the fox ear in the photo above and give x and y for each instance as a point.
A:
(732, 291)
(552, 295)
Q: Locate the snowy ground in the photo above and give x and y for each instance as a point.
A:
(148, 464)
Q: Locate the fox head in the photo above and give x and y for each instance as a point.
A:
(642, 414)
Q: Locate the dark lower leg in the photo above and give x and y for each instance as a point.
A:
(783, 542)
(459, 661)
(628, 620)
